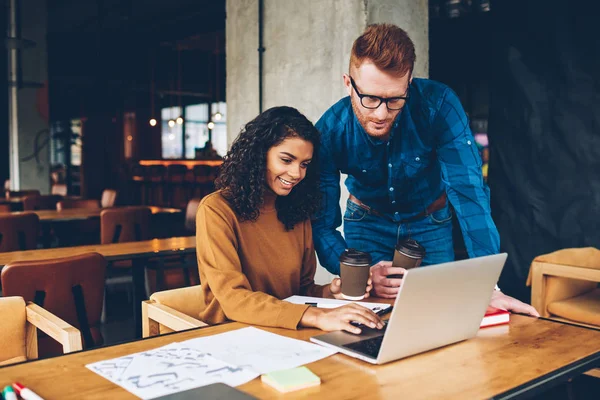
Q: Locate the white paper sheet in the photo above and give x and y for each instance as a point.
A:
(260, 350)
(333, 303)
(169, 369)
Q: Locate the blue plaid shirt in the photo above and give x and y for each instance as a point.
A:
(431, 150)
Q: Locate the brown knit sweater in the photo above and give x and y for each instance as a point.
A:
(246, 268)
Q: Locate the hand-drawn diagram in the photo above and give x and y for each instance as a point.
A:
(169, 369)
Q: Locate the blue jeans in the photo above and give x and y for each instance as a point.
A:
(378, 236)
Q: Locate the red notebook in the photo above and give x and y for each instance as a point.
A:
(495, 316)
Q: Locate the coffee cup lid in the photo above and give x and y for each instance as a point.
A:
(355, 257)
(411, 247)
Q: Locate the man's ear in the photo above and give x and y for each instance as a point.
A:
(348, 84)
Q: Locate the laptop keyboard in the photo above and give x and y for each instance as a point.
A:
(369, 347)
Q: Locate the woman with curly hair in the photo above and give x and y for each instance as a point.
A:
(253, 235)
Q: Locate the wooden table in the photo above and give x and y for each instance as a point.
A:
(502, 362)
(80, 214)
(138, 252)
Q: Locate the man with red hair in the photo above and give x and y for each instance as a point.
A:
(409, 153)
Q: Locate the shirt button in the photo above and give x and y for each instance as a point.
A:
(468, 142)
(417, 158)
(390, 165)
(393, 201)
(396, 213)
(391, 189)
(364, 170)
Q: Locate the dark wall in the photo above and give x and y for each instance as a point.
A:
(4, 160)
(544, 131)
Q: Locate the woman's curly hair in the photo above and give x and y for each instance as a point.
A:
(242, 176)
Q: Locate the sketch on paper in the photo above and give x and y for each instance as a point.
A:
(169, 369)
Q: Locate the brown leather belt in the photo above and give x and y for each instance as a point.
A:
(438, 204)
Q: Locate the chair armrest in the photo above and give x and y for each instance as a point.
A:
(156, 317)
(554, 282)
(187, 300)
(56, 328)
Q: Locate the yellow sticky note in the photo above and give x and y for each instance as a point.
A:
(289, 380)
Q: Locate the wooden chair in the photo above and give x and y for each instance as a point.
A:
(5, 208)
(127, 224)
(172, 310)
(109, 198)
(72, 288)
(41, 202)
(564, 287)
(178, 271)
(119, 225)
(18, 231)
(190, 215)
(18, 330)
(66, 204)
(176, 185)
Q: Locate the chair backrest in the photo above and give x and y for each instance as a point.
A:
(127, 224)
(41, 202)
(72, 288)
(18, 231)
(66, 204)
(21, 193)
(4, 208)
(59, 188)
(190, 214)
(12, 330)
(109, 198)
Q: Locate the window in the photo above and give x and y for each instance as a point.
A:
(219, 132)
(172, 134)
(196, 128)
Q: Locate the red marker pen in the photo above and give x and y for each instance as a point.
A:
(25, 393)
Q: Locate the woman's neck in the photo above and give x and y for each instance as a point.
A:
(269, 199)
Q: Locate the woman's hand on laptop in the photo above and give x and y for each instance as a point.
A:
(340, 318)
(382, 285)
(504, 302)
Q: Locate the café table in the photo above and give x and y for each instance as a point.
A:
(513, 361)
(50, 217)
(81, 214)
(137, 252)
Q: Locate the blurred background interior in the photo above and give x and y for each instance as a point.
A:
(113, 103)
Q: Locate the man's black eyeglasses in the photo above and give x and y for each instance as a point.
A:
(372, 102)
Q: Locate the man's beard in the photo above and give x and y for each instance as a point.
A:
(382, 134)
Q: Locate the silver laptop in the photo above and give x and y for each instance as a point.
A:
(437, 305)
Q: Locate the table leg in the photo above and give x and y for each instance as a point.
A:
(139, 293)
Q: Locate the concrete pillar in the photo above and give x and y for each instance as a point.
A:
(30, 156)
(307, 50)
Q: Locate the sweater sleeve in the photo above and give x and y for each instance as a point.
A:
(309, 266)
(218, 260)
